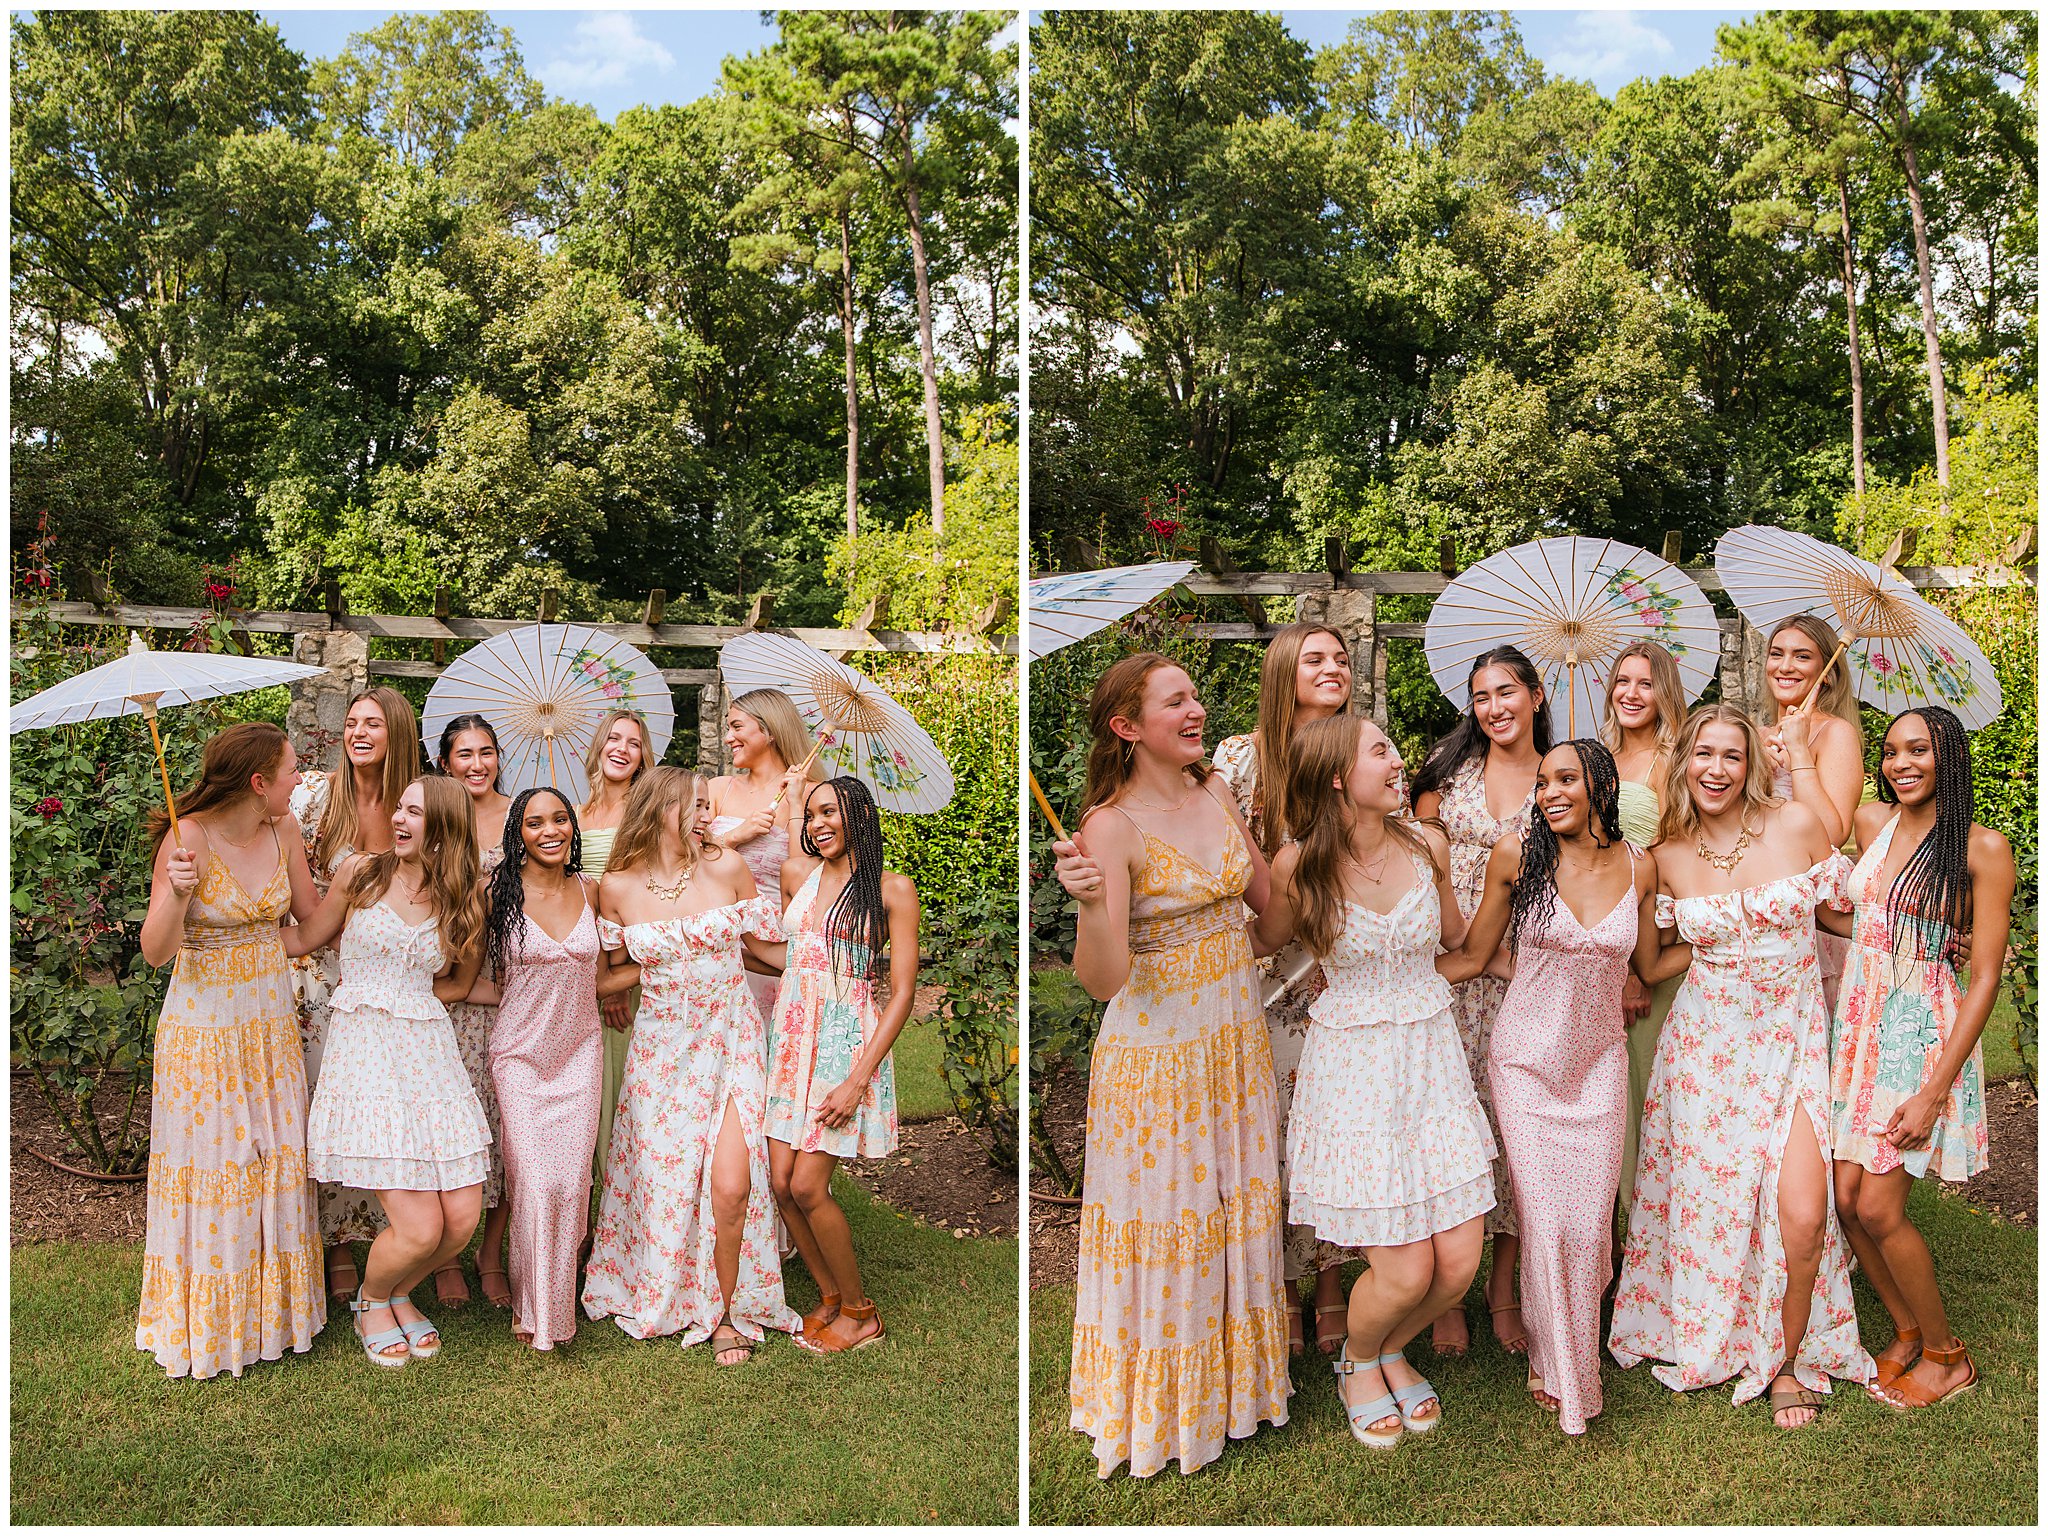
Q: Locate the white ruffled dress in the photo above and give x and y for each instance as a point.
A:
(1387, 1143)
(394, 1107)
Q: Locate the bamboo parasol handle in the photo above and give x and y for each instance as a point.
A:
(162, 768)
(1822, 676)
(1046, 806)
(802, 767)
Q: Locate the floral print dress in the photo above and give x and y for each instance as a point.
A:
(1892, 1023)
(1292, 982)
(1473, 830)
(1703, 1271)
(696, 1048)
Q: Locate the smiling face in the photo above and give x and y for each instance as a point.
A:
(365, 734)
(408, 822)
(1633, 698)
(1791, 664)
(1561, 795)
(1907, 761)
(473, 762)
(1503, 705)
(746, 739)
(696, 816)
(1322, 676)
(548, 828)
(1374, 783)
(1717, 768)
(275, 788)
(622, 754)
(1169, 725)
(823, 822)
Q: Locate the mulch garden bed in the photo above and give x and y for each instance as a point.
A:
(2008, 1188)
(940, 1174)
(1055, 1218)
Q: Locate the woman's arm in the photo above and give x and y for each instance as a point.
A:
(1655, 960)
(325, 925)
(1992, 878)
(455, 984)
(1271, 931)
(305, 895)
(1827, 775)
(172, 884)
(1489, 925)
(899, 901)
(1259, 887)
(1095, 869)
(1451, 933)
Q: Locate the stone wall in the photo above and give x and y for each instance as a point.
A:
(320, 704)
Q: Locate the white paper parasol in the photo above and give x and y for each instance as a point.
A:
(1058, 610)
(544, 688)
(861, 730)
(1900, 649)
(1571, 605)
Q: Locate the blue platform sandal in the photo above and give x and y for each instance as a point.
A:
(1406, 1399)
(375, 1343)
(1366, 1414)
(414, 1332)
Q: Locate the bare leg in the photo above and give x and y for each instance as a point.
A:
(1802, 1224)
(1454, 1261)
(731, 1184)
(1850, 1183)
(490, 1257)
(810, 1181)
(342, 1276)
(781, 1169)
(1881, 1210)
(1395, 1286)
(1329, 1296)
(1502, 1305)
(405, 1248)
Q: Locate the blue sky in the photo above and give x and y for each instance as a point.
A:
(610, 60)
(1609, 48)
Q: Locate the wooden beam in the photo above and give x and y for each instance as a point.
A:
(101, 594)
(1078, 554)
(332, 599)
(995, 613)
(1447, 556)
(875, 614)
(2019, 549)
(681, 677)
(1901, 548)
(550, 604)
(441, 612)
(657, 604)
(761, 614)
(1674, 545)
(1336, 559)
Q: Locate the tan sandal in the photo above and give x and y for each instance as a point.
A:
(1294, 1342)
(1908, 1393)
(451, 1289)
(1889, 1371)
(342, 1279)
(499, 1295)
(1795, 1396)
(1538, 1392)
(1331, 1340)
(733, 1342)
(1521, 1345)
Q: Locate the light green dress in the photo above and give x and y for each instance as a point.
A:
(1638, 806)
(597, 852)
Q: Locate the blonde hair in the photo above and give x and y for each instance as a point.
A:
(449, 862)
(1275, 741)
(776, 714)
(1319, 785)
(593, 760)
(650, 810)
(1666, 687)
(1681, 818)
(1120, 694)
(404, 760)
(1837, 694)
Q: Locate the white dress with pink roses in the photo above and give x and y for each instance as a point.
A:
(1703, 1273)
(698, 1045)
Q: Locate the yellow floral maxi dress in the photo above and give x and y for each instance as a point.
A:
(231, 1259)
(1180, 1329)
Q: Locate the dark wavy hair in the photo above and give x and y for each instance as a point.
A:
(508, 885)
(858, 923)
(1469, 739)
(455, 728)
(1533, 897)
(1934, 887)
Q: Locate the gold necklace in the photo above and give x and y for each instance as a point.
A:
(1164, 810)
(1725, 861)
(671, 892)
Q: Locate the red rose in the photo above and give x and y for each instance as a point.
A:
(49, 808)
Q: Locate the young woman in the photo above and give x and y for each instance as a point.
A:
(831, 1084)
(394, 1112)
(231, 1251)
(1306, 677)
(547, 1061)
(753, 807)
(339, 814)
(686, 1233)
(1734, 1264)
(1827, 777)
(469, 755)
(1933, 890)
(1388, 1149)
(1180, 1327)
(1558, 1063)
(1645, 709)
(1478, 783)
(619, 754)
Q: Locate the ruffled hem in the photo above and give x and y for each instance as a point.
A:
(1190, 1398)
(352, 997)
(419, 1130)
(1341, 1007)
(373, 1173)
(1390, 1226)
(203, 1324)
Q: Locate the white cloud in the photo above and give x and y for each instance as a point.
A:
(607, 48)
(1609, 48)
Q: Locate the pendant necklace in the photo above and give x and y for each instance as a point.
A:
(671, 892)
(1725, 861)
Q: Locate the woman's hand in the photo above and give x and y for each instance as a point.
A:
(1635, 1000)
(1080, 875)
(183, 873)
(1912, 1123)
(617, 1015)
(842, 1103)
(1795, 734)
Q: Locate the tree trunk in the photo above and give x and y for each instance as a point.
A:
(1929, 323)
(852, 385)
(1855, 343)
(934, 428)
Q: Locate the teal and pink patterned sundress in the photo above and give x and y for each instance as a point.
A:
(824, 1016)
(1892, 1022)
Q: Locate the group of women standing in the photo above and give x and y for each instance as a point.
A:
(438, 1053)
(1543, 993)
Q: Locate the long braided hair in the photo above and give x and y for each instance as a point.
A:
(1934, 887)
(858, 923)
(1533, 896)
(1469, 740)
(508, 885)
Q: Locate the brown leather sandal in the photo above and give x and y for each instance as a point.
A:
(853, 1312)
(819, 1318)
(1889, 1371)
(1794, 1396)
(1908, 1393)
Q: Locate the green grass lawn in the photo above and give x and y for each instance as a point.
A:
(920, 1091)
(1653, 1456)
(606, 1431)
